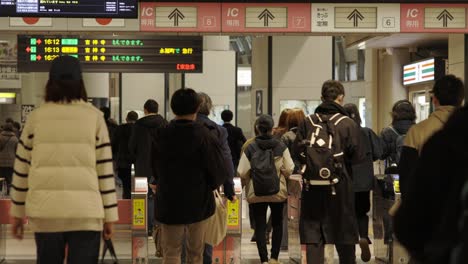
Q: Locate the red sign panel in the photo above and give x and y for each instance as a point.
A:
(434, 18)
(287, 18)
(180, 17)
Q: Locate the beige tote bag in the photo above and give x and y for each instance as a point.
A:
(217, 223)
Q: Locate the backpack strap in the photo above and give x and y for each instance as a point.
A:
(395, 131)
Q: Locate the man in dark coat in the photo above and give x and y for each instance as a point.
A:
(328, 218)
(236, 137)
(189, 167)
(428, 220)
(145, 133)
(123, 158)
(221, 134)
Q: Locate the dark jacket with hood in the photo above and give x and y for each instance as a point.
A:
(145, 131)
(327, 218)
(121, 152)
(190, 165)
(427, 221)
(221, 134)
(389, 138)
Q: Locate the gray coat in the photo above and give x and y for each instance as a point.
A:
(8, 143)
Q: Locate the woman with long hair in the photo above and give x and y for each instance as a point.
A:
(363, 179)
(63, 177)
(282, 127)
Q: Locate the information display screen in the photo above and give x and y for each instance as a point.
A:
(113, 53)
(69, 8)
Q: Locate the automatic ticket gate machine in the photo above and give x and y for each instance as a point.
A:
(294, 212)
(229, 250)
(139, 221)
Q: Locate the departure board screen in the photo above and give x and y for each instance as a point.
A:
(69, 8)
(113, 53)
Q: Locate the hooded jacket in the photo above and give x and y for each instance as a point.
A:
(189, 167)
(416, 138)
(145, 131)
(327, 218)
(8, 143)
(284, 167)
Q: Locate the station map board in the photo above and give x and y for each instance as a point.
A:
(113, 53)
(69, 8)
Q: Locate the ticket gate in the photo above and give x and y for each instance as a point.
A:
(386, 248)
(139, 221)
(229, 250)
(294, 211)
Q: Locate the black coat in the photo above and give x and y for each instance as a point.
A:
(189, 167)
(236, 140)
(363, 172)
(324, 217)
(389, 138)
(145, 131)
(221, 134)
(121, 152)
(428, 218)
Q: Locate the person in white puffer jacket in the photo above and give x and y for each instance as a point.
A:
(63, 177)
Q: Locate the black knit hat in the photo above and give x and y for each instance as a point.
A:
(265, 123)
(65, 68)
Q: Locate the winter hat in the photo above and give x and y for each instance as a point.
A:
(265, 124)
(65, 68)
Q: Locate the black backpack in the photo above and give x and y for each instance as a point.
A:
(263, 171)
(324, 156)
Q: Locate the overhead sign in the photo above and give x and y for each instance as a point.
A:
(239, 17)
(423, 71)
(355, 18)
(113, 53)
(350, 17)
(443, 18)
(69, 8)
(177, 17)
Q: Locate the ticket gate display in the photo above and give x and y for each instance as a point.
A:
(139, 221)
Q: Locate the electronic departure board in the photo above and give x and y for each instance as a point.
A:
(113, 53)
(69, 8)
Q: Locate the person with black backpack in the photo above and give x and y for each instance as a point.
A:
(264, 167)
(327, 144)
(393, 136)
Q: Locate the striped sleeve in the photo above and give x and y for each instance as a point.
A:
(19, 186)
(105, 172)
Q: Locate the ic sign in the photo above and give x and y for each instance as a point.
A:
(446, 18)
(180, 17)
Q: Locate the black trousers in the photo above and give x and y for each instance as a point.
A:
(316, 253)
(83, 247)
(259, 213)
(126, 176)
(7, 173)
(362, 205)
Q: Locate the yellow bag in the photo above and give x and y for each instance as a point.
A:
(217, 223)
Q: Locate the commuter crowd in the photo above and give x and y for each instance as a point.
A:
(61, 173)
